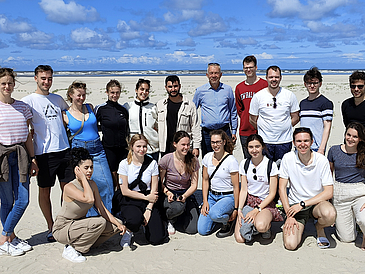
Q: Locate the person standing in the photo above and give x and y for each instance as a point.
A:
(16, 153)
(113, 119)
(274, 111)
(176, 113)
(316, 111)
(218, 108)
(51, 144)
(143, 116)
(244, 93)
(353, 109)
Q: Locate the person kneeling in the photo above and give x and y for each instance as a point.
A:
(310, 186)
(71, 227)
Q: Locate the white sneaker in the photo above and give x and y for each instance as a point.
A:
(72, 255)
(9, 249)
(23, 245)
(126, 239)
(170, 228)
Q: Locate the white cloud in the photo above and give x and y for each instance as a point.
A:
(87, 38)
(183, 15)
(247, 41)
(353, 55)
(184, 4)
(125, 31)
(311, 10)
(60, 12)
(130, 59)
(291, 57)
(264, 56)
(36, 39)
(182, 57)
(209, 24)
(8, 26)
(149, 23)
(188, 42)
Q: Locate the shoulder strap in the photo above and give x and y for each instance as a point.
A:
(146, 162)
(269, 167)
(82, 125)
(247, 163)
(216, 168)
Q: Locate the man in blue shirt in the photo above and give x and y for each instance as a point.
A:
(218, 108)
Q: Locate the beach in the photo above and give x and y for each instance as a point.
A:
(185, 253)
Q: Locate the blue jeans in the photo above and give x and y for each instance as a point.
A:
(14, 197)
(101, 175)
(206, 147)
(220, 208)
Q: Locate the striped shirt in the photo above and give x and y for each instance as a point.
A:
(13, 122)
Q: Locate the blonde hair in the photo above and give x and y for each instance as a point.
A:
(72, 87)
(135, 138)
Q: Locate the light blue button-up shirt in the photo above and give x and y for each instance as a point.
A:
(217, 106)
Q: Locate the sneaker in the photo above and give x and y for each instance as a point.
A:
(170, 228)
(23, 245)
(266, 235)
(9, 249)
(72, 255)
(226, 230)
(126, 239)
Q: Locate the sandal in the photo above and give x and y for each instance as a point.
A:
(50, 237)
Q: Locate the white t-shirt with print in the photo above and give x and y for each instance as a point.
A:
(260, 187)
(49, 131)
(221, 182)
(132, 171)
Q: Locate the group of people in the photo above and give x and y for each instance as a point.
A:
(119, 184)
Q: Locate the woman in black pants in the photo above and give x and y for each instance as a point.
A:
(138, 176)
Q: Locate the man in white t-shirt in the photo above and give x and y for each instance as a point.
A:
(310, 187)
(273, 112)
(51, 145)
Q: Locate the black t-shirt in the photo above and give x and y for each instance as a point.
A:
(171, 121)
(353, 113)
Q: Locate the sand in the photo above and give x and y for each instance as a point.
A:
(186, 253)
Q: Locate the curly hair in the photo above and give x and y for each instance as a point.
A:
(78, 155)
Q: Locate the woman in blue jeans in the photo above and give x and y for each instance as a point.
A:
(86, 135)
(220, 192)
(17, 153)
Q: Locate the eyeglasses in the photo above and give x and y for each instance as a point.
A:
(254, 172)
(216, 143)
(274, 105)
(247, 68)
(358, 86)
(312, 83)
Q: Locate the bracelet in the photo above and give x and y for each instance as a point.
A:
(236, 208)
(32, 158)
(258, 208)
(240, 208)
(147, 208)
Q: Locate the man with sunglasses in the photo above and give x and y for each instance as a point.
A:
(273, 112)
(353, 109)
(51, 144)
(316, 111)
(218, 108)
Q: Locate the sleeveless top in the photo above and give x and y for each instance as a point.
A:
(89, 131)
(75, 209)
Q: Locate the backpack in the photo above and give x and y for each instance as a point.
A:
(269, 167)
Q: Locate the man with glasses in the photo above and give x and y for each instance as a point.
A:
(218, 109)
(274, 111)
(316, 111)
(353, 109)
(51, 144)
(244, 93)
(176, 113)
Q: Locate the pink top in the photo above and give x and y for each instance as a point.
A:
(13, 122)
(175, 180)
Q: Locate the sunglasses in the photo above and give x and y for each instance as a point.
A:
(254, 174)
(274, 105)
(358, 86)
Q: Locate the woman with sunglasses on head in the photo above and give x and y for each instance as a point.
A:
(258, 190)
(220, 186)
(113, 120)
(179, 176)
(17, 153)
(138, 177)
(72, 227)
(143, 116)
(348, 163)
(81, 121)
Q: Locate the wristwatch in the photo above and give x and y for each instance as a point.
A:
(259, 208)
(302, 203)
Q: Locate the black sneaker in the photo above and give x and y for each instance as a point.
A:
(226, 230)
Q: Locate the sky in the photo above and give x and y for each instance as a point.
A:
(181, 34)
